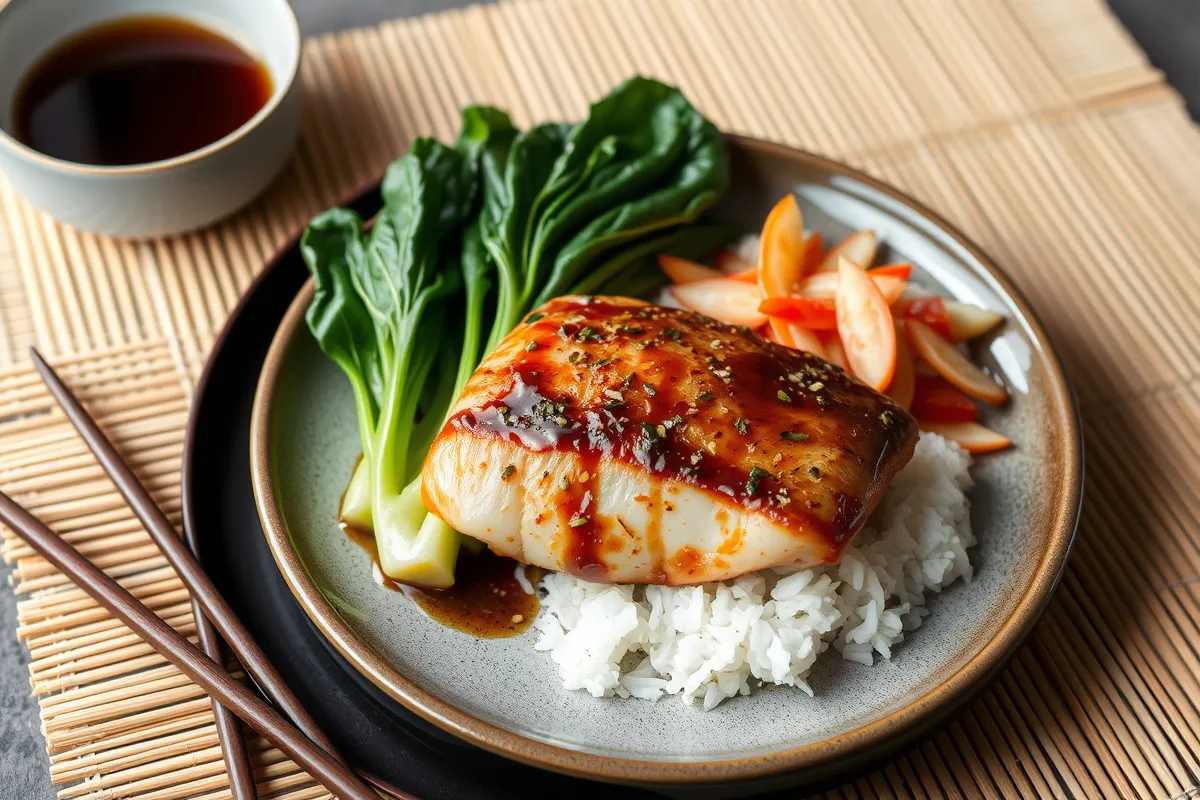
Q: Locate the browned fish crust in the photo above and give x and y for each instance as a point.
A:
(686, 398)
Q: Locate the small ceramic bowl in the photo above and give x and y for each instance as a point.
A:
(176, 194)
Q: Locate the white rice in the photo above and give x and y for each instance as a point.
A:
(716, 640)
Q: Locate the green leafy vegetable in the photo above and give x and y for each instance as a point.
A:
(756, 475)
(376, 299)
(472, 238)
(558, 199)
(332, 247)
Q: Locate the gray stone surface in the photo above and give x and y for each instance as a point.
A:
(24, 768)
(1168, 30)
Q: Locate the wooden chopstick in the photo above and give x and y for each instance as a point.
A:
(202, 590)
(229, 732)
(332, 773)
(233, 745)
(200, 587)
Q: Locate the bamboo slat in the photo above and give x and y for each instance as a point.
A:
(1039, 128)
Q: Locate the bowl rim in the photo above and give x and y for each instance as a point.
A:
(821, 758)
(282, 88)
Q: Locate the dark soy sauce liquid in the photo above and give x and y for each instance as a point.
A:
(137, 90)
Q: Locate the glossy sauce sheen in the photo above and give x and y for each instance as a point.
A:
(689, 399)
(138, 90)
(485, 601)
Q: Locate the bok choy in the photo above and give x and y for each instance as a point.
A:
(471, 238)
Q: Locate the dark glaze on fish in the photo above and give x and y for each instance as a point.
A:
(686, 399)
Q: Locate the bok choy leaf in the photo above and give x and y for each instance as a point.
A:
(379, 302)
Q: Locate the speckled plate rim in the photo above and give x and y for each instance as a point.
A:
(861, 744)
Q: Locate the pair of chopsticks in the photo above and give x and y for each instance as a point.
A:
(301, 739)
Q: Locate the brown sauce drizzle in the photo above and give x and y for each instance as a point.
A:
(654, 539)
(576, 508)
(485, 601)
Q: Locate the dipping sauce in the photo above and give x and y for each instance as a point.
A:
(137, 90)
(486, 600)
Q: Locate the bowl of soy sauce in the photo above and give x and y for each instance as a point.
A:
(143, 118)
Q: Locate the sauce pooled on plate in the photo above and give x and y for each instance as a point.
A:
(486, 600)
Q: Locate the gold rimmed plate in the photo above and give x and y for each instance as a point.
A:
(504, 696)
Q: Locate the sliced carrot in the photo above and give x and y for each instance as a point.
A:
(730, 262)
(745, 276)
(814, 252)
(931, 311)
(815, 314)
(859, 247)
(781, 249)
(937, 400)
(824, 284)
(901, 271)
(728, 300)
(834, 352)
(904, 378)
(953, 365)
(971, 436)
(865, 326)
(781, 252)
(682, 271)
(968, 321)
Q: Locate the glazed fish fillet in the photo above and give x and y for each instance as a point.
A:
(630, 443)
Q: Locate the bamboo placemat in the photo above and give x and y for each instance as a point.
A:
(1037, 127)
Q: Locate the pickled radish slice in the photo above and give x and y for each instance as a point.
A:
(865, 326)
(781, 249)
(931, 311)
(801, 338)
(728, 300)
(901, 271)
(682, 271)
(968, 321)
(953, 365)
(859, 247)
(970, 436)
(824, 284)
